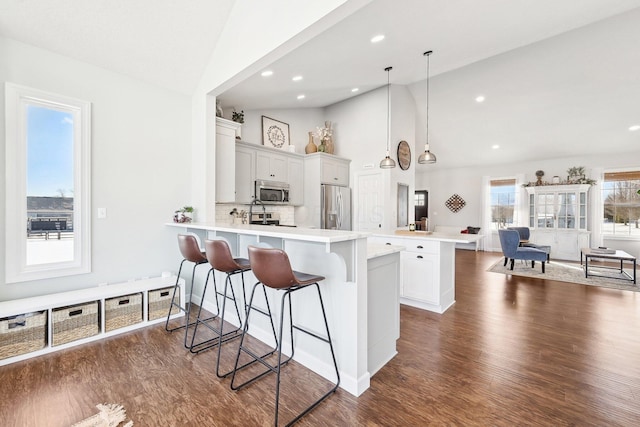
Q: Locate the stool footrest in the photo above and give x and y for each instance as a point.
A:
(308, 332)
(214, 342)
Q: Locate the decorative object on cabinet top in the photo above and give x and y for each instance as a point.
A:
(275, 133)
(325, 135)
(575, 175)
(237, 117)
(311, 147)
(404, 155)
(455, 203)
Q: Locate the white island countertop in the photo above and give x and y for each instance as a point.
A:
(375, 250)
(281, 232)
(441, 237)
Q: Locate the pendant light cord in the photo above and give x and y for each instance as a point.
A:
(388, 69)
(428, 54)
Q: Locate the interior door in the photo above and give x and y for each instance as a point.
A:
(368, 209)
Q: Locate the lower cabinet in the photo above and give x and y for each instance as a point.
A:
(565, 244)
(419, 277)
(427, 272)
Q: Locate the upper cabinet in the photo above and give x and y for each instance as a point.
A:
(271, 166)
(558, 206)
(558, 217)
(327, 168)
(225, 163)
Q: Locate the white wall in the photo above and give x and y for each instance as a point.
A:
(140, 165)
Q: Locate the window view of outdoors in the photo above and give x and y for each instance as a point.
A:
(49, 175)
(503, 199)
(621, 203)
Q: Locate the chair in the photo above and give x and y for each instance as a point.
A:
(272, 268)
(524, 240)
(220, 258)
(510, 242)
(191, 252)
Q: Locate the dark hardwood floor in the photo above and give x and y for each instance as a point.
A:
(512, 351)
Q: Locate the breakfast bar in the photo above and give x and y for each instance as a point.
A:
(343, 258)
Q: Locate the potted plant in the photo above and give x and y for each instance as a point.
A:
(184, 214)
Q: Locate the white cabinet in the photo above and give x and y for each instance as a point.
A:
(558, 217)
(321, 168)
(427, 272)
(334, 171)
(244, 174)
(271, 167)
(225, 159)
(296, 181)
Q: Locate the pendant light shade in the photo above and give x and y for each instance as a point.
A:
(427, 157)
(388, 162)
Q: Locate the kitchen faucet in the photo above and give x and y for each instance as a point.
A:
(255, 201)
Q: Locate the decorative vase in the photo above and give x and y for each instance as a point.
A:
(329, 138)
(322, 148)
(311, 146)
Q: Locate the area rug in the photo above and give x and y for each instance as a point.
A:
(564, 272)
(110, 415)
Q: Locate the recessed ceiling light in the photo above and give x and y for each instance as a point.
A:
(377, 38)
(480, 98)
(634, 128)
(267, 73)
(355, 89)
(300, 96)
(495, 146)
(297, 78)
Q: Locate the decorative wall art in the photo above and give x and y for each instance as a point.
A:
(455, 203)
(275, 133)
(404, 155)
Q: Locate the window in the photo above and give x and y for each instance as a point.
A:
(503, 203)
(47, 193)
(621, 203)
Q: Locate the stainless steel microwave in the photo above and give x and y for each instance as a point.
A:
(272, 192)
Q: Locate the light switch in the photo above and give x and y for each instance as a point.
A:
(102, 213)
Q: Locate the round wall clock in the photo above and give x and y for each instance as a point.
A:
(404, 155)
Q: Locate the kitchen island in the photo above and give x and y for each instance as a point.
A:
(427, 266)
(362, 342)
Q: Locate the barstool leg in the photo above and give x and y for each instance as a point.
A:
(173, 303)
(327, 340)
(235, 331)
(198, 321)
(241, 347)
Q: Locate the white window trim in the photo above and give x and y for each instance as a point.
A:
(16, 270)
(600, 207)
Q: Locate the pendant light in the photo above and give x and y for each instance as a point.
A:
(427, 156)
(388, 162)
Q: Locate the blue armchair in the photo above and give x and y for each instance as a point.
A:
(510, 242)
(524, 235)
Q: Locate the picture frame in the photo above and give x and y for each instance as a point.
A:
(275, 133)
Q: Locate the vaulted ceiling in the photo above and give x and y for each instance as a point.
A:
(556, 74)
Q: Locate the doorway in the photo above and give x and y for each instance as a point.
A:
(421, 207)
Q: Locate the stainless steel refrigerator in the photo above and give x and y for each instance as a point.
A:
(335, 208)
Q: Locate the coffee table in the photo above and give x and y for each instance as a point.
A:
(621, 256)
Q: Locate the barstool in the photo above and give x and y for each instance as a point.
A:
(272, 268)
(191, 252)
(220, 258)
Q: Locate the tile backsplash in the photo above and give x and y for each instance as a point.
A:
(223, 216)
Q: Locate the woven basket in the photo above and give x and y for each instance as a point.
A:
(23, 334)
(122, 311)
(75, 322)
(159, 302)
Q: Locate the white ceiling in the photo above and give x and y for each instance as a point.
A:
(551, 83)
